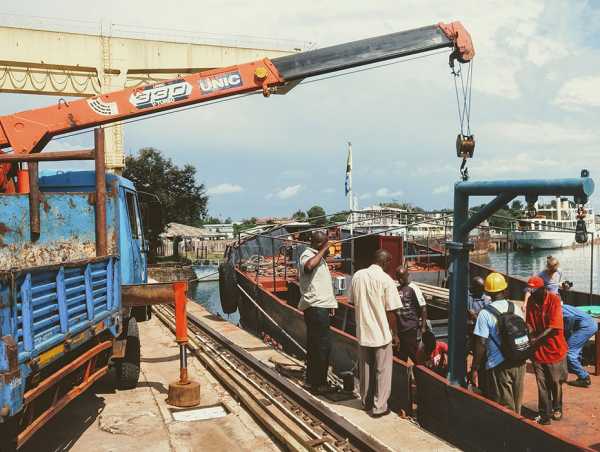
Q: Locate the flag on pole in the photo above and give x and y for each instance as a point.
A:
(348, 183)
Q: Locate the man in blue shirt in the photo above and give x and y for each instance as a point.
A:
(475, 303)
(579, 328)
(504, 380)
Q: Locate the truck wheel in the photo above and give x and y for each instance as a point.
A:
(141, 313)
(8, 435)
(128, 368)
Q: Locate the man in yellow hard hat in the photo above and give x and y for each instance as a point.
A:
(504, 376)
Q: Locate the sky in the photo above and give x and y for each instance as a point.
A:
(535, 101)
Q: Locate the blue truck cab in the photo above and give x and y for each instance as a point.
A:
(62, 322)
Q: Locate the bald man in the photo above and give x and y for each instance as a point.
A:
(317, 303)
(373, 293)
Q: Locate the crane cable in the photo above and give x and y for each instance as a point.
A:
(465, 143)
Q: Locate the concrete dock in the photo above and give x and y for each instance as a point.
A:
(107, 420)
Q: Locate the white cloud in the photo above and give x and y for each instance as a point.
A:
(365, 196)
(542, 50)
(441, 189)
(287, 192)
(329, 190)
(539, 132)
(523, 163)
(385, 192)
(224, 189)
(579, 92)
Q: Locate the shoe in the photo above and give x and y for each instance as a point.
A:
(323, 389)
(581, 382)
(557, 415)
(378, 415)
(543, 420)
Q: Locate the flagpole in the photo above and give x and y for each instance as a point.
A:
(350, 206)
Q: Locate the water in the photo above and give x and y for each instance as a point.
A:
(207, 293)
(574, 262)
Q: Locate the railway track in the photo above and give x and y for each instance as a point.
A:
(295, 418)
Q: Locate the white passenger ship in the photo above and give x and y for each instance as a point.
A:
(553, 227)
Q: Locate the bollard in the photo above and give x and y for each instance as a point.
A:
(184, 392)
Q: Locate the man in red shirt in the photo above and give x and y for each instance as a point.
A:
(432, 353)
(545, 322)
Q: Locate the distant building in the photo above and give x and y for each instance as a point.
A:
(183, 240)
(223, 231)
(396, 221)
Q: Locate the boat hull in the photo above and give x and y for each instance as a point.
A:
(543, 240)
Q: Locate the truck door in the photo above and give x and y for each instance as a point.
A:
(136, 238)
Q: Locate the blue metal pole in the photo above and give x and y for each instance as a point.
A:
(580, 188)
(457, 322)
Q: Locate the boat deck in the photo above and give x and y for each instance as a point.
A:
(581, 410)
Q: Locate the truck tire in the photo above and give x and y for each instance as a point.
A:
(128, 368)
(141, 313)
(8, 435)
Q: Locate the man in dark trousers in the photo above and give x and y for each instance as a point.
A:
(317, 303)
(410, 317)
(545, 321)
(504, 379)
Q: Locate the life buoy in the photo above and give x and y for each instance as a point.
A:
(228, 290)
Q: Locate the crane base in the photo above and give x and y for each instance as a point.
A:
(184, 395)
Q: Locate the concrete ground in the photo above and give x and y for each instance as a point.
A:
(107, 420)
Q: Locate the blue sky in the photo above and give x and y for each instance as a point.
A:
(536, 102)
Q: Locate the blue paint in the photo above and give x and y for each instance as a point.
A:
(42, 306)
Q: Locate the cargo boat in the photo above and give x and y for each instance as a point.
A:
(259, 279)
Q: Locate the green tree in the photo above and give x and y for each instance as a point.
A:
(210, 220)
(502, 219)
(299, 215)
(182, 199)
(316, 211)
(246, 224)
(516, 205)
(340, 217)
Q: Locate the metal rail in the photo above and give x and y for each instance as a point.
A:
(307, 421)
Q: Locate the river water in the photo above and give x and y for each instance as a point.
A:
(574, 262)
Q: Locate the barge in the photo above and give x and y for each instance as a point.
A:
(259, 279)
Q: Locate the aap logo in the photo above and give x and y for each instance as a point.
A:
(164, 93)
(220, 82)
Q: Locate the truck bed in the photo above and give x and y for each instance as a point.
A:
(49, 311)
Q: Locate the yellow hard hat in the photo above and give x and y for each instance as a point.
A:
(495, 282)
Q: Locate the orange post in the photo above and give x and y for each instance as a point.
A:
(180, 289)
(184, 392)
(22, 181)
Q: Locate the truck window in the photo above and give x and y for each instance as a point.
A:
(132, 212)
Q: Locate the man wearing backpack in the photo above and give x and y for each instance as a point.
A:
(501, 332)
(545, 322)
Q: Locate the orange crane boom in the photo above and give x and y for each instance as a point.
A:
(29, 131)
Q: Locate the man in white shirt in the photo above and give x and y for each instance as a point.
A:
(373, 293)
(317, 303)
